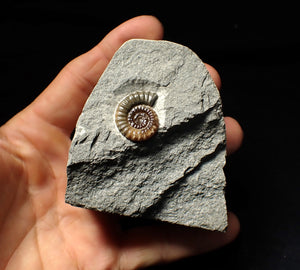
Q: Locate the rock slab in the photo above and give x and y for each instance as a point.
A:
(176, 176)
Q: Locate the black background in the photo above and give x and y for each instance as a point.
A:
(255, 48)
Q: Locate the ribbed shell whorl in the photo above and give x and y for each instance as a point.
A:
(135, 117)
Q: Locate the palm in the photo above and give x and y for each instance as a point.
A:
(49, 227)
(37, 229)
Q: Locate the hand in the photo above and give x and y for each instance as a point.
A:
(37, 229)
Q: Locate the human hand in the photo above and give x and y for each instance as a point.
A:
(38, 230)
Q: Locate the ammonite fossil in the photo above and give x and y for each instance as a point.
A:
(135, 117)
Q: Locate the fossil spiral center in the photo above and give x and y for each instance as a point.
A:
(140, 117)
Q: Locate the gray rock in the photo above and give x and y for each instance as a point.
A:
(176, 176)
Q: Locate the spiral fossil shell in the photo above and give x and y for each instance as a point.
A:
(135, 117)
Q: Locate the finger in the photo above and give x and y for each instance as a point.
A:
(146, 246)
(61, 103)
(234, 132)
(234, 135)
(215, 75)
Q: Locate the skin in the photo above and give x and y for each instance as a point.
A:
(37, 229)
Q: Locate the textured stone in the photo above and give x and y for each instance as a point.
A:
(176, 176)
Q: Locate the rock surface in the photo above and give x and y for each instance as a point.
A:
(176, 176)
